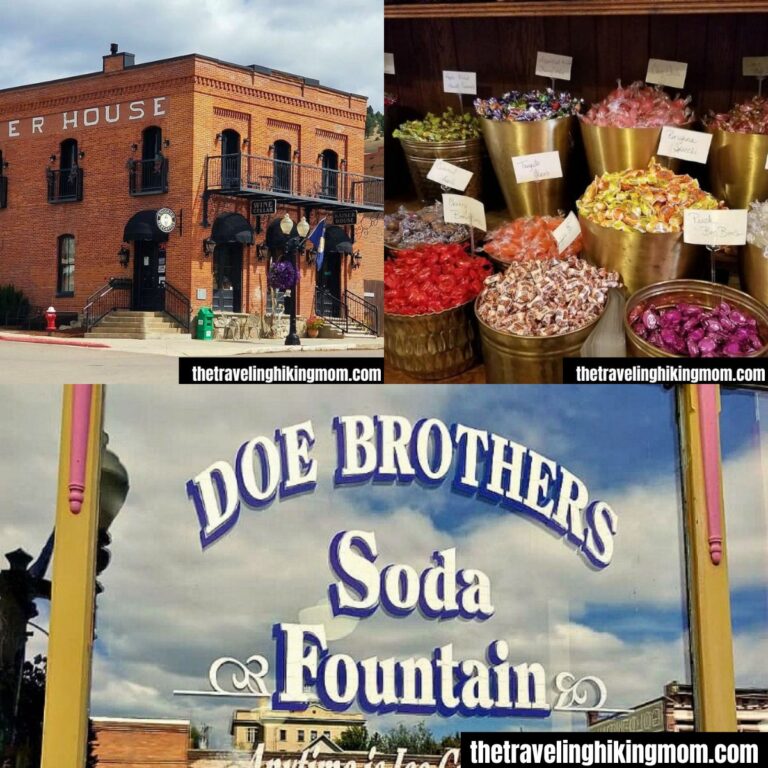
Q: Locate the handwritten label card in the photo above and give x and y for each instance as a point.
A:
(553, 65)
(459, 209)
(754, 66)
(567, 232)
(459, 82)
(715, 227)
(684, 144)
(389, 63)
(663, 72)
(449, 175)
(537, 167)
(766, 162)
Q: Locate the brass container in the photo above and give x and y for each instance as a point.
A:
(506, 139)
(642, 258)
(433, 346)
(754, 272)
(513, 359)
(736, 165)
(700, 293)
(611, 149)
(421, 155)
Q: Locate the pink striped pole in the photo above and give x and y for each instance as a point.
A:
(78, 453)
(710, 448)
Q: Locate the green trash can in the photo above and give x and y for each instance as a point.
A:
(204, 324)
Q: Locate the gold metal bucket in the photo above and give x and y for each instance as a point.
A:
(610, 149)
(513, 359)
(433, 346)
(754, 272)
(700, 293)
(642, 258)
(737, 171)
(421, 155)
(506, 139)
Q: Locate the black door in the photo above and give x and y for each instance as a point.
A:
(329, 280)
(149, 276)
(227, 277)
(230, 159)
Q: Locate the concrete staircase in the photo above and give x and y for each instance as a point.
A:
(356, 330)
(124, 324)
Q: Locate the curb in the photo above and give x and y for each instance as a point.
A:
(50, 340)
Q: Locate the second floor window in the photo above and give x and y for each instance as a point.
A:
(301, 735)
(253, 734)
(65, 280)
(330, 174)
(283, 735)
(281, 177)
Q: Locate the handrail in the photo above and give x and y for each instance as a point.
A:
(115, 294)
(362, 311)
(65, 185)
(177, 305)
(148, 177)
(353, 310)
(324, 301)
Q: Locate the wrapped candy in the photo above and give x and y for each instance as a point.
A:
(749, 117)
(546, 297)
(643, 200)
(544, 104)
(693, 331)
(528, 238)
(406, 229)
(639, 106)
(757, 226)
(446, 127)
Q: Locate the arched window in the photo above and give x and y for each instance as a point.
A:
(65, 266)
(230, 159)
(69, 172)
(330, 175)
(281, 178)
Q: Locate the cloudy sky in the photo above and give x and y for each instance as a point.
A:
(339, 42)
(169, 609)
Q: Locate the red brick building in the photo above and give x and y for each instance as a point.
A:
(87, 162)
(136, 743)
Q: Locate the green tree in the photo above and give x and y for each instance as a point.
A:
(417, 739)
(451, 741)
(355, 739)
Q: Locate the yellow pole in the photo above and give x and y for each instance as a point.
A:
(65, 726)
(710, 606)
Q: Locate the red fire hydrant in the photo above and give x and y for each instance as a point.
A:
(50, 318)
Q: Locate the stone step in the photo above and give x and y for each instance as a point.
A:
(160, 324)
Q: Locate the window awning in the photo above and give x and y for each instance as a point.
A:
(143, 226)
(275, 237)
(232, 228)
(337, 240)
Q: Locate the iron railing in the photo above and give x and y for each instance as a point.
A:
(148, 177)
(3, 190)
(177, 305)
(347, 312)
(65, 185)
(250, 173)
(116, 294)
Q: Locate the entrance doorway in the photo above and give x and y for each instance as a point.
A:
(148, 276)
(230, 159)
(329, 279)
(227, 277)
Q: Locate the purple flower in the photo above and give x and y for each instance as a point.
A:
(282, 275)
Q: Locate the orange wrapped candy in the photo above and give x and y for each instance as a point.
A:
(529, 238)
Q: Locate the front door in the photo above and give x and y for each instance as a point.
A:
(227, 277)
(149, 276)
(329, 279)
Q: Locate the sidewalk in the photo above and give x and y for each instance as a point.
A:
(184, 346)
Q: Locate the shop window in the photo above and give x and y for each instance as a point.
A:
(330, 174)
(65, 280)
(281, 178)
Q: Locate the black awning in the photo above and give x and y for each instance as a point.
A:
(275, 237)
(337, 240)
(232, 228)
(143, 226)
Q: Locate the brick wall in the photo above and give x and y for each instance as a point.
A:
(141, 743)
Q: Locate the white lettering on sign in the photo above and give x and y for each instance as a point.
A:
(37, 124)
(715, 227)
(459, 82)
(567, 232)
(553, 65)
(754, 66)
(459, 209)
(137, 110)
(449, 175)
(13, 128)
(107, 116)
(537, 167)
(90, 116)
(685, 144)
(389, 63)
(159, 111)
(663, 72)
(69, 122)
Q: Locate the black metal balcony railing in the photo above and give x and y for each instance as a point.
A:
(250, 173)
(148, 177)
(3, 191)
(65, 185)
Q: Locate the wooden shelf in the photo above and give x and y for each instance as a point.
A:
(569, 8)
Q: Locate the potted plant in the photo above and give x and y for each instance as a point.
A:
(314, 324)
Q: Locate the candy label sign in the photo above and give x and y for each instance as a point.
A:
(685, 144)
(663, 72)
(715, 227)
(537, 167)
(458, 209)
(460, 82)
(567, 232)
(553, 65)
(389, 64)
(754, 66)
(449, 175)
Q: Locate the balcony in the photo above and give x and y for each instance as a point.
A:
(65, 185)
(148, 177)
(3, 191)
(293, 183)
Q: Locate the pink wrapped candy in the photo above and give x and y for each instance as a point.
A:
(639, 106)
(748, 117)
(693, 331)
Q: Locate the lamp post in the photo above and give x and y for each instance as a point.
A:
(292, 247)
